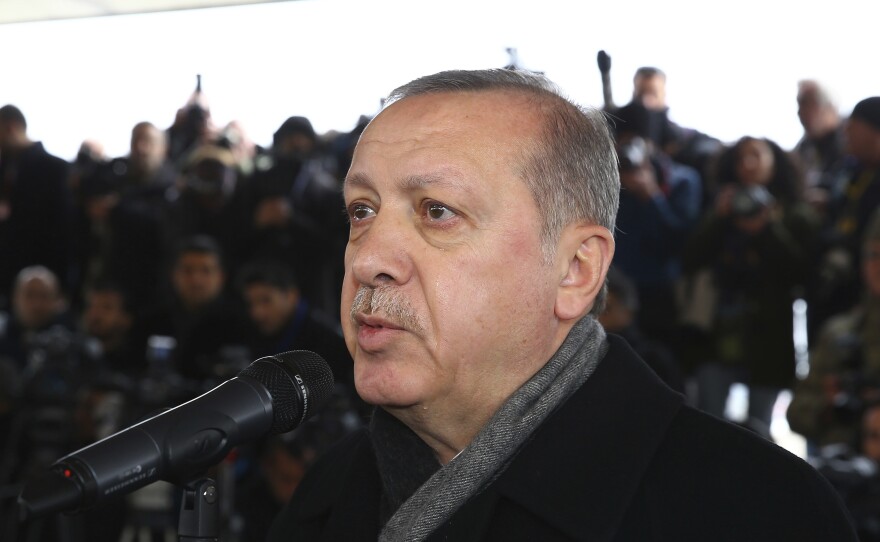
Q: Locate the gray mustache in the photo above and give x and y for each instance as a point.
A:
(388, 302)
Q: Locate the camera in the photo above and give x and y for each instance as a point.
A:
(632, 154)
(749, 201)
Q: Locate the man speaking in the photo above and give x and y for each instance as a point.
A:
(481, 207)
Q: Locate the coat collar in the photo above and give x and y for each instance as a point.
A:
(583, 467)
(579, 472)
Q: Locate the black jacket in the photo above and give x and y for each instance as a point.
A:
(37, 231)
(622, 460)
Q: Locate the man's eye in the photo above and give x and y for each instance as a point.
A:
(359, 212)
(438, 211)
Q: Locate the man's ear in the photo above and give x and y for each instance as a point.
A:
(585, 253)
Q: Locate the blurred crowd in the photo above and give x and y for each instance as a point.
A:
(130, 284)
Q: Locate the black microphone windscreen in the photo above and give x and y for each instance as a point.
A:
(299, 382)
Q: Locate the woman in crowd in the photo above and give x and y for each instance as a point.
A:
(754, 242)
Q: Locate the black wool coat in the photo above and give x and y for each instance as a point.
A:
(623, 459)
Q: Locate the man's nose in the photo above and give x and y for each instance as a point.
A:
(381, 254)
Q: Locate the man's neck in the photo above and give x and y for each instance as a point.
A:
(446, 438)
(17, 145)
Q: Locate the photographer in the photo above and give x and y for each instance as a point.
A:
(754, 244)
(684, 145)
(204, 324)
(845, 364)
(659, 206)
(855, 473)
(37, 306)
(296, 218)
(212, 201)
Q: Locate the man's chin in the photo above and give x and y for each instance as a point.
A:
(382, 395)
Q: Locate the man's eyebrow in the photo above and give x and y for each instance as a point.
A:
(357, 179)
(446, 177)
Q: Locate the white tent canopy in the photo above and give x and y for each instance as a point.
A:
(19, 11)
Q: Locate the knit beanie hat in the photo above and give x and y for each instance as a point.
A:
(868, 111)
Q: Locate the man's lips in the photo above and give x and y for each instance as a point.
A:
(375, 333)
(374, 321)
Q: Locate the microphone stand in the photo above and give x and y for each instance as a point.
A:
(199, 512)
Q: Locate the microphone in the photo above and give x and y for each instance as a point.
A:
(274, 394)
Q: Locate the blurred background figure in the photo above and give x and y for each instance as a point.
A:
(109, 318)
(244, 151)
(116, 237)
(204, 323)
(281, 463)
(51, 365)
(192, 127)
(211, 202)
(35, 204)
(844, 363)
(821, 149)
(848, 212)
(649, 88)
(660, 203)
(89, 158)
(620, 317)
(298, 216)
(282, 319)
(274, 467)
(855, 473)
(837, 282)
(870, 432)
(754, 244)
(684, 145)
(145, 175)
(37, 306)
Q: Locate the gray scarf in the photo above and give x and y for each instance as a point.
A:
(486, 457)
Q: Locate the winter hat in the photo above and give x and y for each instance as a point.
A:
(868, 111)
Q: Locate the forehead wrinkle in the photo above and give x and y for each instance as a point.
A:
(444, 178)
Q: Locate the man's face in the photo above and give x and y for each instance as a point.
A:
(270, 308)
(147, 148)
(296, 145)
(651, 91)
(198, 278)
(36, 302)
(863, 141)
(105, 315)
(446, 238)
(816, 117)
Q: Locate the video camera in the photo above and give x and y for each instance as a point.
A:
(749, 201)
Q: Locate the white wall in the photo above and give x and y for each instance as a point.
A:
(733, 67)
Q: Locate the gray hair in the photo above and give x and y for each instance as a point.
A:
(39, 272)
(822, 93)
(571, 170)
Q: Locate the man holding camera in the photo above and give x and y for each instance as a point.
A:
(659, 205)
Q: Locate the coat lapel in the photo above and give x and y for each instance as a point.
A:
(583, 467)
